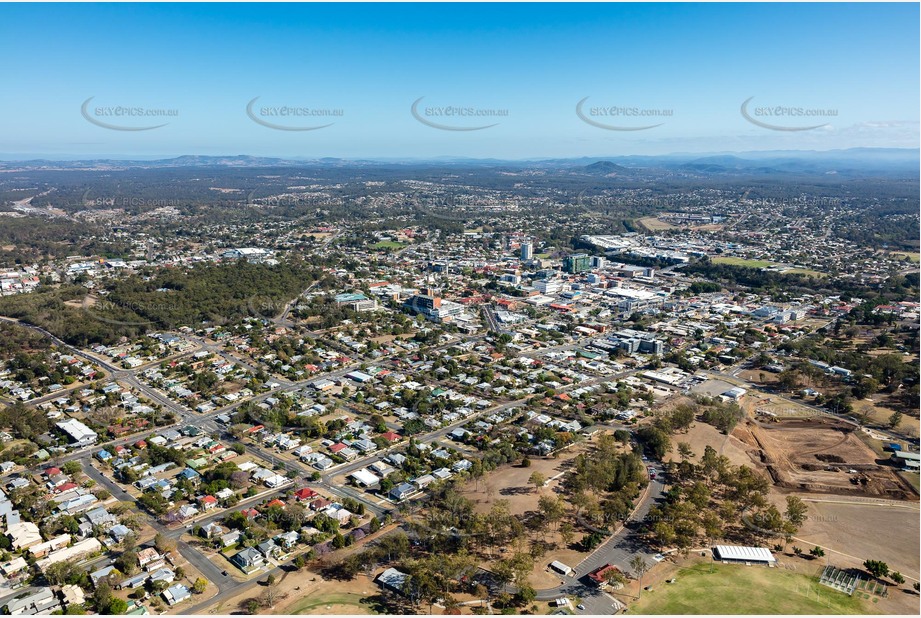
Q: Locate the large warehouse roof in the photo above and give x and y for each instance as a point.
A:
(745, 554)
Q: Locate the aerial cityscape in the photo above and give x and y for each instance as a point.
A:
(354, 309)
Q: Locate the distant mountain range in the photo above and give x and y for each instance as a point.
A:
(806, 162)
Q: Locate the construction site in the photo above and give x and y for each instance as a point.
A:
(820, 455)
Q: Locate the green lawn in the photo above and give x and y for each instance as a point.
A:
(911, 255)
(739, 589)
(735, 261)
(336, 601)
(388, 244)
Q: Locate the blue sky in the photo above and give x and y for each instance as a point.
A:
(691, 64)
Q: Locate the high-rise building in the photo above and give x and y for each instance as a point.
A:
(527, 251)
(577, 263)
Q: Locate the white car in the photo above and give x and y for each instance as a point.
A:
(580, 606)
(658, 557)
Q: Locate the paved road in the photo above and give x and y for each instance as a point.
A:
(619, 550)
(207, 568)
(227, 586)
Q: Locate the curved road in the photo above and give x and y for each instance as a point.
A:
(617, 550)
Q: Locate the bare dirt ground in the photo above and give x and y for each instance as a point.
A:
(821, 455)
(306, 592)
(654, 224)
(759, 376)
(854, 530)
(702, 435)
(511, 483)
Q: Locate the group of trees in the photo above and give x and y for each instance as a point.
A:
(713, 500)
(164, 298)
(880, 569)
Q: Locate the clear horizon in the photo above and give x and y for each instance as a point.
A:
(70, 157)
(436, 81)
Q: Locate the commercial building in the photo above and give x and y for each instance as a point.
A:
(433, 307)
(364, 477)
(76, 551)
(908, 461)
(577, 263)
(79, 434)
(548, 286)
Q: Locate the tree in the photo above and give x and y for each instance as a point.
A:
(654, 440)
(59, 572)
(72, 467)
(796, 511)
(615, 578)
(684, 451)
(199, 586)
(639, 566)
(164, 544)
(567, 533)
(817, 552)
(876, 568)
(537, 479)
(269, 597)
(895, 419)
(115, 607)
(898, 578)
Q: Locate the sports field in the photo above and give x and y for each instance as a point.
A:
(388, 244)
(911, 255)
(736, 261)
(654, 224)
(739, 589)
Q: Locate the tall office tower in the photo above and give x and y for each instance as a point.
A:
(527, 251)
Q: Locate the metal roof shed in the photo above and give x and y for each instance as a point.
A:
(739, 553)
